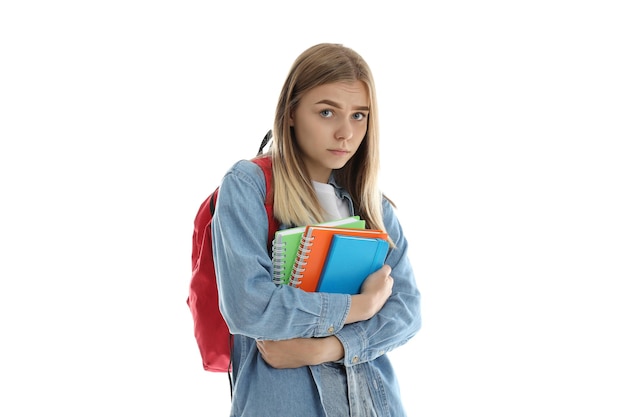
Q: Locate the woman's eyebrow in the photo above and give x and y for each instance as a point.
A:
(337, 105)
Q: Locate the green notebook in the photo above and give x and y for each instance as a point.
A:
(287, 241)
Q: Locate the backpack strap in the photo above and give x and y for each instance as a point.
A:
(264, 142)
(265, 163)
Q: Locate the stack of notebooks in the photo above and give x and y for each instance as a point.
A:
(328, 257)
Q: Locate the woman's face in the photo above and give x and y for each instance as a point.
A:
(330, 123)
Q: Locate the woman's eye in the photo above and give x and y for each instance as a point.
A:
(326, 113)
(358, 116)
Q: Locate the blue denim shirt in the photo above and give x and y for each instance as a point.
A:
(256, 308)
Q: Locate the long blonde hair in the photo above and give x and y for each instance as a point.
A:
(295, 201)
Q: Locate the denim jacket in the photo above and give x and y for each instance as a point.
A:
(256, 308)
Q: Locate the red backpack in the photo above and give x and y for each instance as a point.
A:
(210, 329)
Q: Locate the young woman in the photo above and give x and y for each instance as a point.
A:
(299, 353)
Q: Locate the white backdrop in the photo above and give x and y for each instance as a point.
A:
(503, 131)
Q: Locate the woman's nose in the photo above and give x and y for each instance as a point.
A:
(344, 131)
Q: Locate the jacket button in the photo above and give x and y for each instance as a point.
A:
(331, 329)
(355, 359)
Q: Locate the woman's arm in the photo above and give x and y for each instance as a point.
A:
(400, 318)
(294, 353)
(252, 305)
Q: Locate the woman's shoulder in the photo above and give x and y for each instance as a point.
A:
(389, 211)
(245, 171)
(245, 168)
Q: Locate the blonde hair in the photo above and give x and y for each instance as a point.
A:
(295, 201)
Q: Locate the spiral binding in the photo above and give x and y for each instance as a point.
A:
(278, 261)
(300, 265)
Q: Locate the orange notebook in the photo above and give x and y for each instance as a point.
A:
(313, 249)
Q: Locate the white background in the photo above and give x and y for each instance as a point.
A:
(503, 129)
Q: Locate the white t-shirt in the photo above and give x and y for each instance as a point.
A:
(335, 207)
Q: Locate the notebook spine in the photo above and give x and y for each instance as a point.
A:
(299, 265)
(278, 262)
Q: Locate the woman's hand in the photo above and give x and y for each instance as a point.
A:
(375, 292)
(294, 353)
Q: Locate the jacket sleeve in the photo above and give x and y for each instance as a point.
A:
(252, 305)
(400, 319)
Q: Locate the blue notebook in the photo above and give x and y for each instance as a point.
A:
(349, 261)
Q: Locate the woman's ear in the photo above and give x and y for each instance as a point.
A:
(291, 123)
